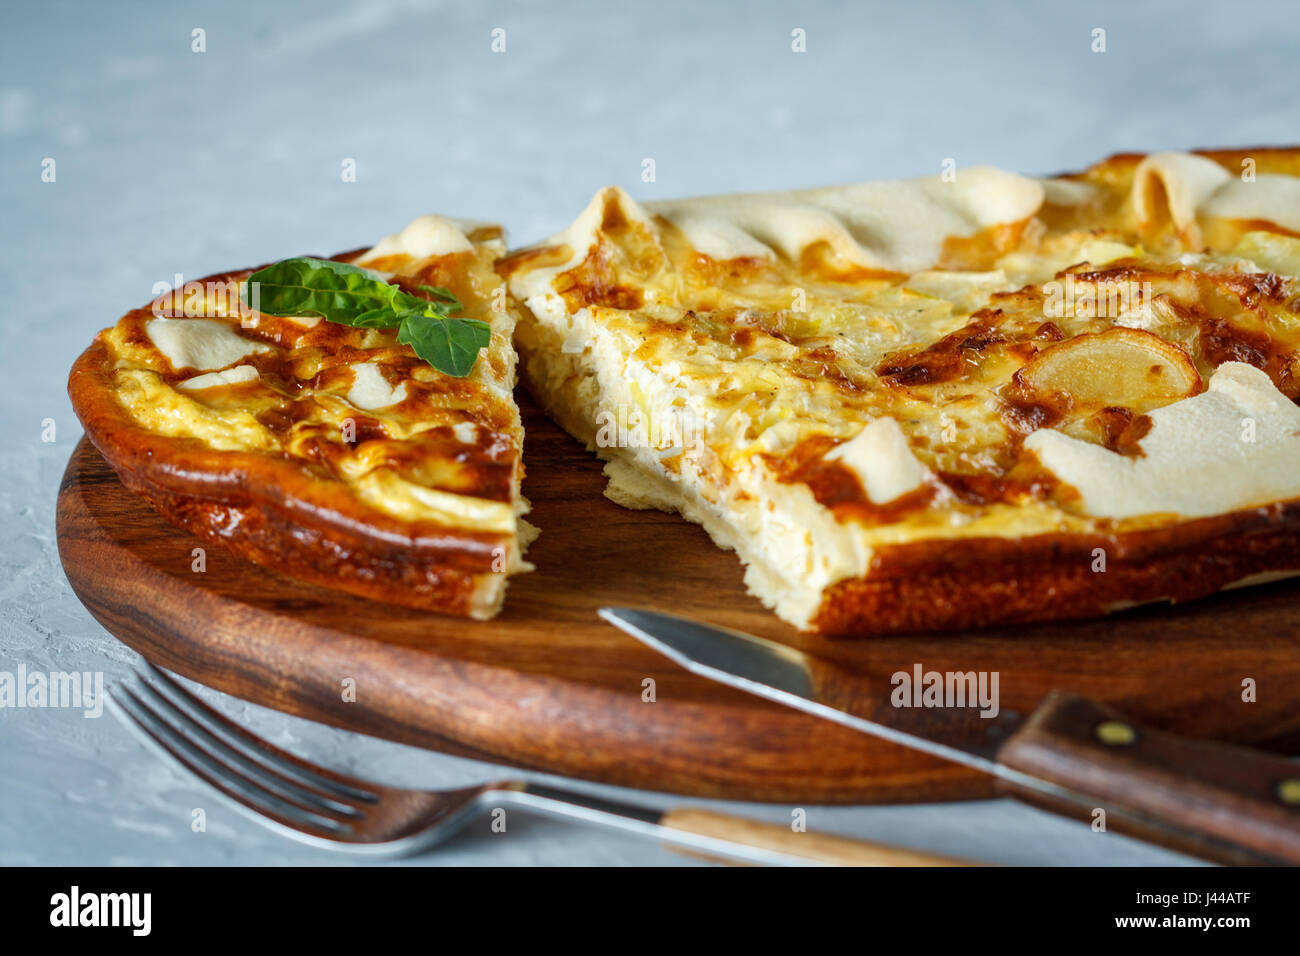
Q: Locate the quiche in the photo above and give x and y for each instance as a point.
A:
(329, 452)
(962, 400)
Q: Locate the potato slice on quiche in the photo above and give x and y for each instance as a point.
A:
(330, 452)
(951, 401)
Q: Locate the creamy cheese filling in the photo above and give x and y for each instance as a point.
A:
(384, 490)
(793, 548)
(165, 411)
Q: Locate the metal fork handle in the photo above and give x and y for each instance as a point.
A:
(324, 808)
(712, 834)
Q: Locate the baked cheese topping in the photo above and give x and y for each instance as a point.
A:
(898, 226)
(882, 461)
(200, 343)
(814, 375)
(429, 236)
(350, 405)
(1241, 435)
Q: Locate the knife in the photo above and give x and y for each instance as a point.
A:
(1071, 755)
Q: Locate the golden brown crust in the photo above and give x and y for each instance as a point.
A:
(273, 513)
(935, 585)
(282, 498)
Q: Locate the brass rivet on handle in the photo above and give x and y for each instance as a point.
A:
(1115, 733)
(1288, 791)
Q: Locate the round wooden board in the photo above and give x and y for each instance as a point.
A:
(548, 685)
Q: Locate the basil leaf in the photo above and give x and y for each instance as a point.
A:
(405, 302)
(449, 345)
(350, 295)
(382, 318)
(334, 290)
(443, 295)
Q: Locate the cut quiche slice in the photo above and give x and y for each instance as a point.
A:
(327, 452)
(952, 401)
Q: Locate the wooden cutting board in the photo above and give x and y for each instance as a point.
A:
(548, 685)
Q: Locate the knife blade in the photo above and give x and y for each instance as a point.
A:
(786, 675)
(1072, 756)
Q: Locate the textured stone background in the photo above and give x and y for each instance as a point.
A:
(170, 161)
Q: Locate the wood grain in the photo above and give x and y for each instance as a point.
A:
(548, 685)
(815, 847)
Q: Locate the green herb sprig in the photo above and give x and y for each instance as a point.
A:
(349, 295)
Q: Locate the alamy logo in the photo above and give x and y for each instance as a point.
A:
(630, 427)
(103, 909)
(74, 689)
(922, 688)
(1087, 300)
(181, 299)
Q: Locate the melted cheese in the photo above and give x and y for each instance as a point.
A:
(1187, 188)
(433, 451)
(896, 226)
(815, 391)
(203, 344)
(1270, 198)
(1234, 446)
(879, 455)
(161, 409)
(393, 495)
(1174, 184)
(233, 376)
(424, 238)
(370, 390)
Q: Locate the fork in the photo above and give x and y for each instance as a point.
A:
(326, 809)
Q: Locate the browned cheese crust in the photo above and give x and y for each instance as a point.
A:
(992, 534)
(289, 500)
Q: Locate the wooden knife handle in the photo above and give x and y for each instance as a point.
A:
(1223, 803)
(814, 847)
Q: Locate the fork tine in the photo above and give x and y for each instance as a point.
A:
(162, 707)
(237, 738)
(248, 794)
